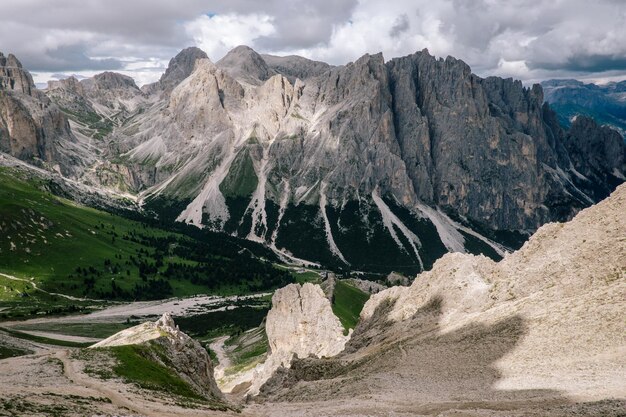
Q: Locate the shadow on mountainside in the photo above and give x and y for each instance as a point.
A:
(412, 367)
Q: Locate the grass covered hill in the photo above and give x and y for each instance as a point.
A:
(60, 246)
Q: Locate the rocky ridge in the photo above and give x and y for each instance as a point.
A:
(32, 127)
(543, 323)
(179, 68)
(300, 324)
(605, 103)
(539, 331)
(180, 352)
(411, 158)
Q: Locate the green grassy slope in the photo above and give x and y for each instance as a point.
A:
(71, 249)
(347, 304)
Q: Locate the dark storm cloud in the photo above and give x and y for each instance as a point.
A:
(68, 58)
(585, 63)
(527, 39)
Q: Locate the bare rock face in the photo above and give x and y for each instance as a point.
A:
(180, 352)
(244, 64)
(381, 165)
(565, 284)
(598, 153)
(13, 77)
(32, 128)
(397, 279)
(113, 93)
(179, 68)
(417, 156)
(300, 324)
(542, 326)
(296, 67)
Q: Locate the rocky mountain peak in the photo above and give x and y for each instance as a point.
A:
(13, 76)
(598, 153)
(245, 64)
(185, 356)
(10, 61)
(70, 84)
(111, 81)
(179, 68)
(296, 67)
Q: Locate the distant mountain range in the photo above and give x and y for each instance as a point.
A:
(371, 166)
(604, 103)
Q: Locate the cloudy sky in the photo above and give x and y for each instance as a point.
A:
(527, 39)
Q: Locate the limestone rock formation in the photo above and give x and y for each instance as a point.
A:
(13, 77)
(296, 67)
(164, 327)
(433, 152)
(300, 324)
(32, 128)
(246, 65)
(178, 351)
(540, 331)
(598, 153)
(397, 279)
(375, 166)
(179, 68)
(566, 285)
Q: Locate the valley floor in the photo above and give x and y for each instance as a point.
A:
(52, 382)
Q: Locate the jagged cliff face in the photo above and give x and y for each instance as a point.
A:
(172, 349)
(32, 127)
(300, 324)
(368, 161)
(542, 325)
(598, 153)
(375, 165)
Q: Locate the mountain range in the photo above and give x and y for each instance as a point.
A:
(605, 103)
(372, 165)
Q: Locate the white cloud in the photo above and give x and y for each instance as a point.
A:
(218, 34)
(527, 39)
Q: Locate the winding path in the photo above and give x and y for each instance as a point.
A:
(217, 346)
(69, 297)
(78, 378)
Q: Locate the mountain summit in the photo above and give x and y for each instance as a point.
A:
(373, 165)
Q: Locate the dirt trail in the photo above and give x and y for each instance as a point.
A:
(34, 284)
(217, 346)
(78, 378)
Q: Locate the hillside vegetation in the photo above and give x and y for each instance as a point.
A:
(61, 247)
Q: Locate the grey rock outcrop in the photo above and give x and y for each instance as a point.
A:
(598, 153)
(245, 64)
(375, 165)
(179, 68)
(382, 153)
(300, 324)
(296, 67)
(13, 77)
(176, 351)
(32, 128)
(543, 322)
(397, 279)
